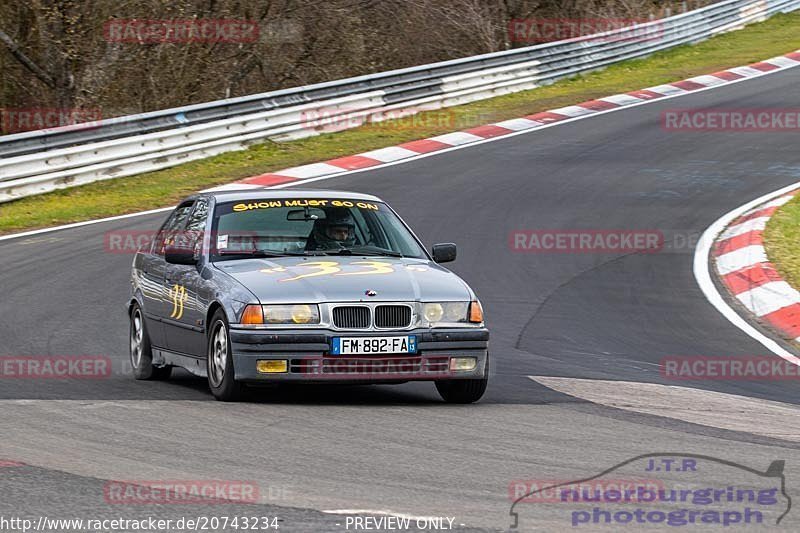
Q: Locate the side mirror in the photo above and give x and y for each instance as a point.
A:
(179, 256)
(444, 253)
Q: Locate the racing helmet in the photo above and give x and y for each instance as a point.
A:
(336, 230)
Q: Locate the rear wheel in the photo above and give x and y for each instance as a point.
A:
(219, 364)
(464, 390)
(141, 351)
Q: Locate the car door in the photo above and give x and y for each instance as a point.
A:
(153, 267)
(185, 325)
(161, 304)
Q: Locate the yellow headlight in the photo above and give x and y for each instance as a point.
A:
(291, 314)
(433, 312)
(302, 314)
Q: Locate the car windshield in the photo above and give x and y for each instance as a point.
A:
(278, 227)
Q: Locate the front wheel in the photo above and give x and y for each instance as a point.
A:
(463, 390)
(219, 364)
(142, 352)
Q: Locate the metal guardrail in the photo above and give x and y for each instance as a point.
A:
(45, 160)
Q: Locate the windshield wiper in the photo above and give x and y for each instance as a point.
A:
(365, 250)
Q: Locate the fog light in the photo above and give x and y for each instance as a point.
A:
(272, 366)
(463, 364)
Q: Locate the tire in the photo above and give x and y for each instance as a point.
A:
(141, 351)
(219, 361)
(463, 390)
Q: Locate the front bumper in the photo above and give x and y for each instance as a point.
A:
(308, 357)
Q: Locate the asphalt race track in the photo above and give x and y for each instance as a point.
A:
(399, 449)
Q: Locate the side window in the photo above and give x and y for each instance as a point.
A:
(196, 225)
(173, 224)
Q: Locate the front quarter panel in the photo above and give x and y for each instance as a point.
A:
(228, 293)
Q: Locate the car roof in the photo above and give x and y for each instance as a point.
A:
(272, 194)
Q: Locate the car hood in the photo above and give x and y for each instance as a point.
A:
(345, 279)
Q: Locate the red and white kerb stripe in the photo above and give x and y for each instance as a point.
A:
(530, 122)
(744, 268)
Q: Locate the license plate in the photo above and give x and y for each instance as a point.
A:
(373, 345)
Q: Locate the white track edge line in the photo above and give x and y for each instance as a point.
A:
(703, 274)
(84, 223)
(428, 154)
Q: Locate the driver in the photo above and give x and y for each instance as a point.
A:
(335, 231)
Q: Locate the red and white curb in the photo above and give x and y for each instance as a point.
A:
(743, 266)
(413, 149)
(482, 134)
(705, 264)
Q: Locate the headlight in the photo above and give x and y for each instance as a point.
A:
(281, 314)
(440, 314)
(433, 312)
(291, 314)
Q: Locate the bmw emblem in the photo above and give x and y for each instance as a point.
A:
(370, 292)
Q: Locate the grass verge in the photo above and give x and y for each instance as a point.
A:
(776, 36)
(782, 241)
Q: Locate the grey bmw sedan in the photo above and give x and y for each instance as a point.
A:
(260, 286)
